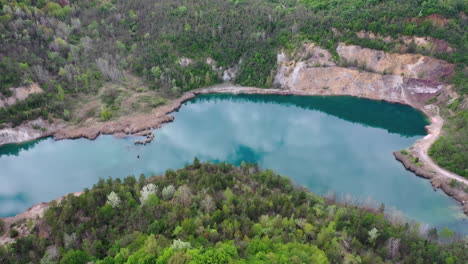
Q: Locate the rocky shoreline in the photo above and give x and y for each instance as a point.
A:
(452, 184)
(142, 125)
(410, 79)
(30, 130)
(448, 185)
(127, 125)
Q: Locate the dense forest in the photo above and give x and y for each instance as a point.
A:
(73, 47)
(208, 213)
(451, 149)
(218, 213)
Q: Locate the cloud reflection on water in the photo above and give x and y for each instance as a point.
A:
(306, 139)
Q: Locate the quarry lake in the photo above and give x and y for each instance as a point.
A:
(342, 145)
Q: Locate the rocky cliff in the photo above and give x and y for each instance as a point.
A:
(403, 78)
(406, 65)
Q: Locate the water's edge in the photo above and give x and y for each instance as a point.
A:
(154, 120)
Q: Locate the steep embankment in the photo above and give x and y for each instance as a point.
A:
(401, 78)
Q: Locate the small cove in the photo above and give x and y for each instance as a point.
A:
(328, 144)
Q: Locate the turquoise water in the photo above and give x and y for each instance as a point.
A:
(329, 144)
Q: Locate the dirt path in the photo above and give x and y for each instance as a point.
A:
(145, 122)
(421, 148)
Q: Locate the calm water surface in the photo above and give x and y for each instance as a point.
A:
(338, 144)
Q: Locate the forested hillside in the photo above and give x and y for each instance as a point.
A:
(208, 213)
(73, 47)
(107, 59)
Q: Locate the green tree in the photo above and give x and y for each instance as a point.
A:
(75, 257)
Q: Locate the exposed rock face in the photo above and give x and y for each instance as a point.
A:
(225, 74)
(29, 131)
(184, 62)
(18, 134)
(230, 74)
(20, 94)
(427, 43)
(372, 35)
(313, 72)
(344, 81)
(290, 66)
(408, 65)
(403, 78)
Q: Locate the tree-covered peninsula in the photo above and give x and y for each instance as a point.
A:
(218, 213)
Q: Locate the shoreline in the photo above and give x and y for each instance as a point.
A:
(143, 123)
(34, 212)
(439, 177)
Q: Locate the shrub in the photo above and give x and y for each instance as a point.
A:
(146, 191)
(113, 199)
(106, 114)
(454, 183)
(56, 10)
(179, 244)
(13, 233)
(431, 101)
(454, 104)
(448, 151)
(5, 19)
(168, 192)
(2, 227)
(75, 257)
